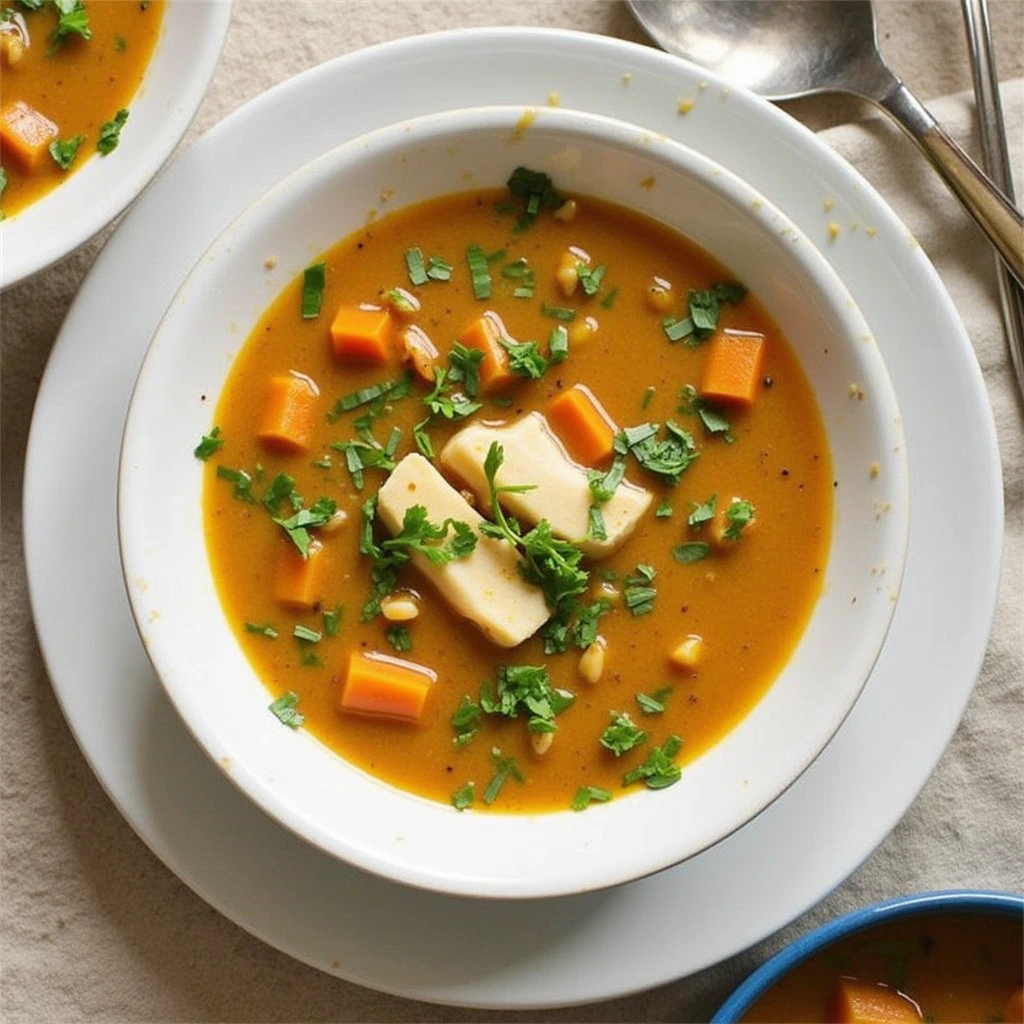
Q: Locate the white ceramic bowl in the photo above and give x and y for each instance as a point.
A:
(173, 86)
(316, 793)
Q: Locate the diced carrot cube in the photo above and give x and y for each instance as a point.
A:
(862, 1002)
(288, 412)
(586, 430)
(732, 367)
(360, 332)
(485, 334)
(385, 687)
(26, 134)
(298, 582)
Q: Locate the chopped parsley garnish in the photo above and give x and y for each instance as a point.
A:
(400, 638)
(659, 771)
(504, 767)
(590, 277)
(265, 629)
(738, 516)
(550, 562)
(604, 485)
(210, 443)
(63, 151)
(653, 703)
(648, 395)
(702, 513)
(479, 272)
(520, 272)
(464, 368)
(622, 735)
(525, 688)
(691, 551)
(332, 620)
(596, 529)
(324, 462)
(285, 709)
(536, 191)
(638, 593)
(609, 300)
(110, 133)
(705, 305)
(72, 20)
(416, 267)
(713, 418)
(422, 439)
(367, 452)
(564, 313)
(297, 526)
(282, 487)
(120, 44)
(664, 510)
(439, 269)
(392, 390)
(558, 344)
(584, 630)
(314, 280)
(447, 402)
(418, 535)
(466, 721)
(524, 358)
(462, 799)
(587, 795)
(241, 479)
(677, 328)
(668, 458)
(307, 635)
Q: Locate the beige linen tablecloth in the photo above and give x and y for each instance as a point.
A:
(94, 928)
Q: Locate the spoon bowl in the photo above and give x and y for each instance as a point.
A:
(786, 49)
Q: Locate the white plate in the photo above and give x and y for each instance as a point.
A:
(173, 86)
(448, 949)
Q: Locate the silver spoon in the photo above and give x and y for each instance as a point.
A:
(785, 49)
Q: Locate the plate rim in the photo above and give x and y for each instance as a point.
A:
(654, 62)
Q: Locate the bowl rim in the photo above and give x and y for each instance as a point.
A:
(28, 248)
(802, 948)
(737, 193)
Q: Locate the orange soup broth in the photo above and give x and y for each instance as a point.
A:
(955, 967)
(749, 605)
(80, 85)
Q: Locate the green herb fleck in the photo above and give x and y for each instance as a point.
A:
(691, 551)
(241, 479)
(739, 515)
(416, 267)
(110, 133)
(587, 795)
(314, 280)
(63, 151)
(537, 193)
(664, 510)
(504, 767)
(659, 771)
(638, 593)
(525, 688)
(332, 620)
(285, 709)
(265, 629)
(209, 444)
(702, 513)
(479, 272)
(466, 721)
(590, 277)
(558, 344)
(400, 638)
(563, 313)
(622, 735)
(462, 799)
(524, 358)
(653, 703)
(297, 526)
(439, 269)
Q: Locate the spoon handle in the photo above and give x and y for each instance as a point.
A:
(993, 146)
(995, 214)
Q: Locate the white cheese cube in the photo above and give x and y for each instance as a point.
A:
(561, 494)
(487, 587)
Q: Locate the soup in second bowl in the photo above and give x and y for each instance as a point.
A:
(517, 500)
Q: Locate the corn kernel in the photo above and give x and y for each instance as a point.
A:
(582, 331)
(592, 660)
(688, 653)
(403, 608)
(659, 295)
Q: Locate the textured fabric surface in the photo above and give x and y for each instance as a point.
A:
(94, 928)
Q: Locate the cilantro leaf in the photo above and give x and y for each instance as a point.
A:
(110, 133)
(622, 735)
(638, 593)
(691, 551)
(64, 151)
(462, 799)
(653, 703)
(524, 358)
(466, 721)
(659, 771)
(587, 795)
(739, 515)
(209, 443)
(504, 767)
(285, 709)
(668, 458)
(536, 191)
(525, 688)
(297, 527)
(702, 513)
